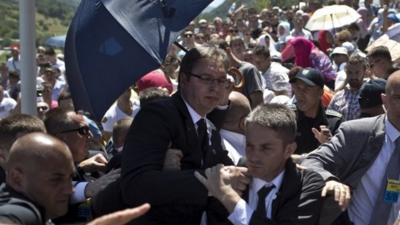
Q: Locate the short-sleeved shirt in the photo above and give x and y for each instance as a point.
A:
(13, 65)
(6, 106)
(276, 79)
(114, 113)
(252, 79)
(346, 102)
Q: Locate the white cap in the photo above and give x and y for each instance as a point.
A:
(340, 51)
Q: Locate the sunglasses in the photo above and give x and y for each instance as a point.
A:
(81, 130)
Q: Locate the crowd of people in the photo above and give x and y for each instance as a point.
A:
(251, 119)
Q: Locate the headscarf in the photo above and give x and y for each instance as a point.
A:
(271, 44)
(322, 39)
(302, 50)
(364, 16)
(286, 27)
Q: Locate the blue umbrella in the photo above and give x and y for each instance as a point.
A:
(57, 41)
(112, 43)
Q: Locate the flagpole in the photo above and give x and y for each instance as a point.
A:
(27, 36)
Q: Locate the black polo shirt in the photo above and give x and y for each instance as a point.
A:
(306, 142)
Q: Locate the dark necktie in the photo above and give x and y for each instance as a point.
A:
(260, 212)
(203, 136)
(381, 212)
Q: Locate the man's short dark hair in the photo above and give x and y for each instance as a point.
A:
(380, 52)
(201, 52)
(50, 51)
(13, 126)
(357, 59)
(57, 120)
(261, 50)
(236, 39)
(277, 117)
(151, 94)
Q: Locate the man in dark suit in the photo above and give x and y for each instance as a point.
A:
(360, 158)
(280, 192)
(179, 122)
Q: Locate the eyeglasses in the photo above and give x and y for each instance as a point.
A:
(209, 81)
(84, 131)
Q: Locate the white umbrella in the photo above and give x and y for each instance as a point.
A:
(330, 17)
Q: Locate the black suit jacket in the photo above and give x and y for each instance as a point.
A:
(177, 197)
(298, 200)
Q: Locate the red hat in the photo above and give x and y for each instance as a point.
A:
(155, 78)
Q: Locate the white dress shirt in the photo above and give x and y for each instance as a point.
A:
(243, 210)
(196, 117)
(234, 143)
(364, 197)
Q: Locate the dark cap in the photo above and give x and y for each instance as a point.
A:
(370, 93)
(309, 76)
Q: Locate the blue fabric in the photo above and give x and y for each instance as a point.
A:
(111, 44)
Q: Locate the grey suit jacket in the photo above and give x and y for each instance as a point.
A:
(349, 154)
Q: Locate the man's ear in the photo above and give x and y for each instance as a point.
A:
(16, 179)
(290, 149)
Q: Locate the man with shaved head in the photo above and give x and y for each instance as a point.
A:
(232, 129)
(364, 157)
(39, 180)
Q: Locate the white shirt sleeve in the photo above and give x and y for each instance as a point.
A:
(79, 192)
(107, 123)
(241, 214)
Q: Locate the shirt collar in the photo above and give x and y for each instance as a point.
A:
(196, 117)
(193, 114)
(257, 183)
(391, 131)
(233, 137)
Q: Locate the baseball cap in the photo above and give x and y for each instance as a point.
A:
(311, 77)
(370, 93)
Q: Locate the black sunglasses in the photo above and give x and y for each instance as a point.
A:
(81, 130)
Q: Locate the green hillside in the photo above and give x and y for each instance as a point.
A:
(222, 10)
(52, 18)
